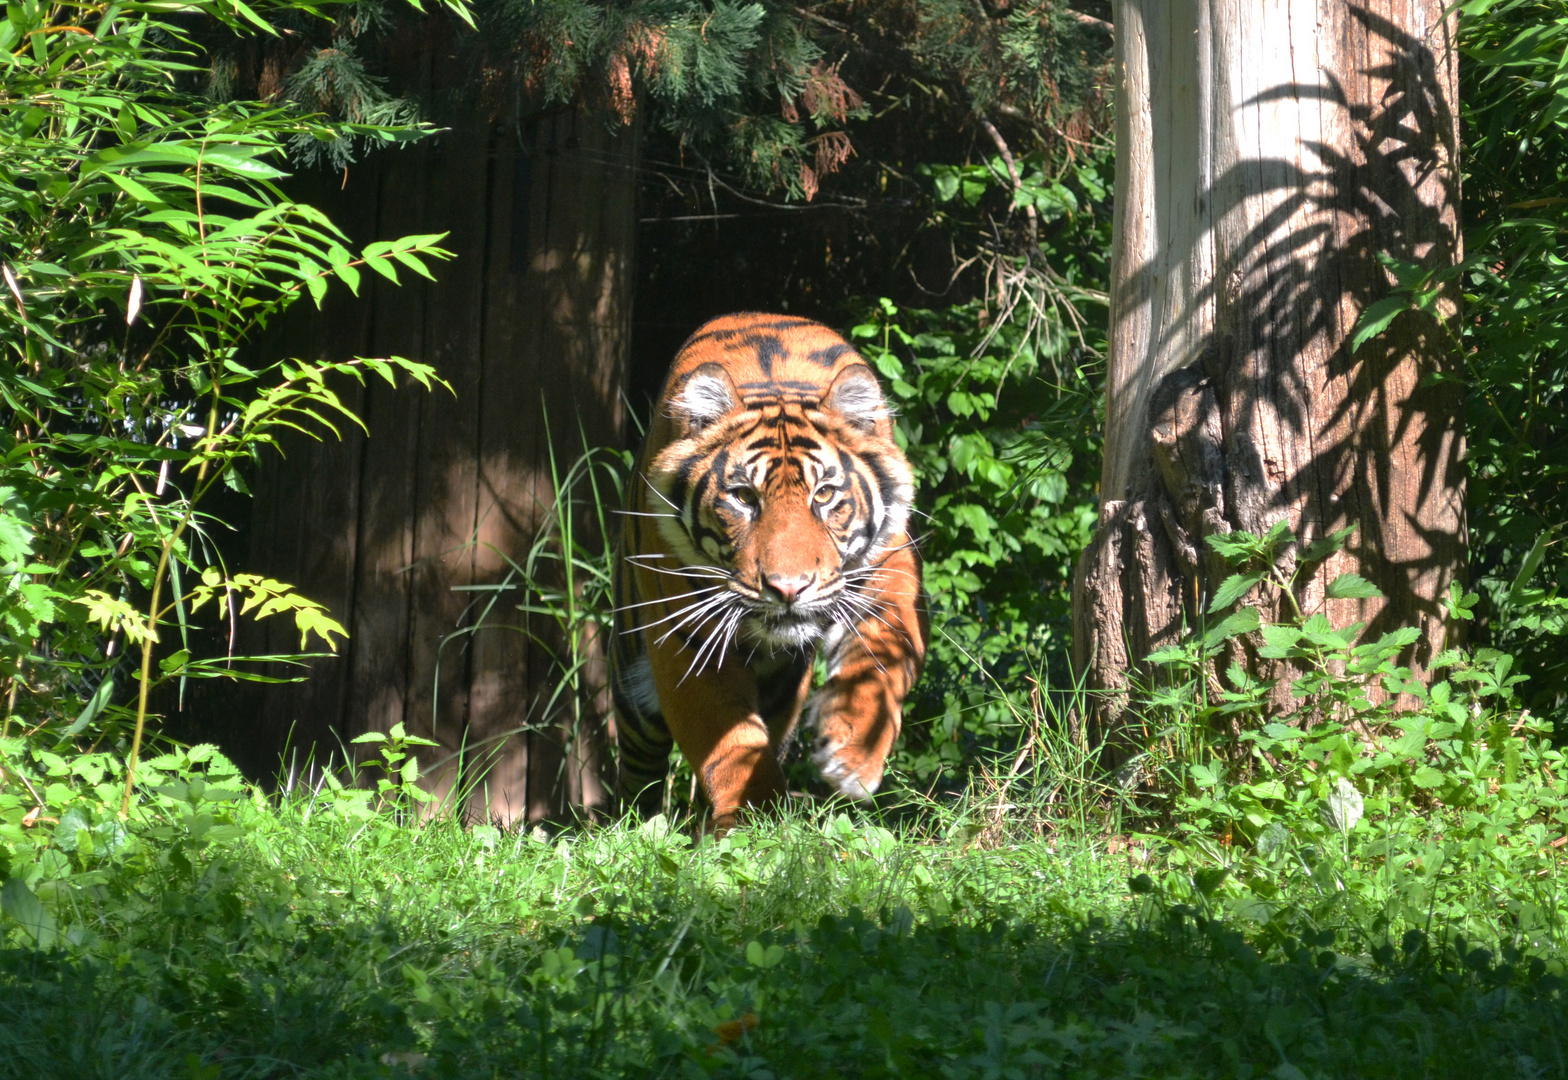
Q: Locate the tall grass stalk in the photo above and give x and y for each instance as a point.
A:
(565, 580)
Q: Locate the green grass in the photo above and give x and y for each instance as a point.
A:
(248, 940)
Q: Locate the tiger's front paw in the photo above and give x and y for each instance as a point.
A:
(854, 724)
(846, 770)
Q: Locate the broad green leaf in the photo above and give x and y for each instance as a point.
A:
(1243, 621)
(16, 531)
(1324, 546)
(95, 705)
(945, 181)
(1234, 588)
(1352, 587)
(758, 956)
(1279, 533)
(136, 190)
(1376, 318)
(19, 902)
(1278, 640)
(241, 160)
(1233, 547)
(1527, 569)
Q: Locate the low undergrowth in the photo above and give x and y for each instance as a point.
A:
(1345, 890)
(220, 933)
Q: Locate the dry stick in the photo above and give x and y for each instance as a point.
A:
(1012, 171)
(10, 699)
(30, 790)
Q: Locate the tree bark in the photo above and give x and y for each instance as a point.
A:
(1267, 152)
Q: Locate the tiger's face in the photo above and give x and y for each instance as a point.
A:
(779, 508)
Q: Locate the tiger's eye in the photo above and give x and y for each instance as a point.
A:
(824, 495)
(744, 495)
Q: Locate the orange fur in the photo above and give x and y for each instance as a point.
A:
(768, 519)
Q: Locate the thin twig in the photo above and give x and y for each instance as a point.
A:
(1012, 171)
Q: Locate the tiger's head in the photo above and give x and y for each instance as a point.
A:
(783, 503)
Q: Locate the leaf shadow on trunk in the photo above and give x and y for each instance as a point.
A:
(1250, 406)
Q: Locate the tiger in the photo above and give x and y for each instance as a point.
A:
(766, 519)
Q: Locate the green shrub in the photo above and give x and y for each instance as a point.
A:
(146, 245)
(998, 403)
(1513, 96)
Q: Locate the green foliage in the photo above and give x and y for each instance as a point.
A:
(559, 595)
(1514, 97)
(398, 784)
(743, 82)
(997, 401)
(754, 90)
(1035, 61)
(999, 525)
(1400, 781)
(218, 934)
(146, 244)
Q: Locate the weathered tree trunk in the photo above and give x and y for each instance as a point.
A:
(1267, 152)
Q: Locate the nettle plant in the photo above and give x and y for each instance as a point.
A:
(146, 244)
(1004, 507)
(997, 399)
(1367, 751)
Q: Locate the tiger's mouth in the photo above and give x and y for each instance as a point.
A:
(792, 626)
(793, 629)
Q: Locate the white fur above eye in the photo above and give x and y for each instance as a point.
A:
(703, 400)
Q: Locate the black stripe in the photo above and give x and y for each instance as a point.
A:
(769, 348)
(773, 387)
(829, 356)
(783, 323)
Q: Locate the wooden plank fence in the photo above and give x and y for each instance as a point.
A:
(531, 320)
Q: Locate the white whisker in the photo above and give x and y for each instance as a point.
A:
(696, 664)
(874, 609)
(862, 572)
(855, 629)
(729, 635)
(699, 661)
(667, 599)
(646, 514)
(697, 613)
(710, 572)
(863, 607)
(684, 614)
(661, 495)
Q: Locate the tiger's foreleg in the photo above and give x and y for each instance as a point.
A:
(858, 711)
(713, 715)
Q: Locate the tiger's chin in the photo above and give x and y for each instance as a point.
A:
(787, 631)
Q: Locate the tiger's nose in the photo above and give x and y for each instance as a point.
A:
(787, 588)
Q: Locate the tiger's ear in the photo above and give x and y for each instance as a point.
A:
(857, 397)
(705, 396)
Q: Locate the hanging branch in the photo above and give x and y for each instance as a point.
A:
(1012, 172)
